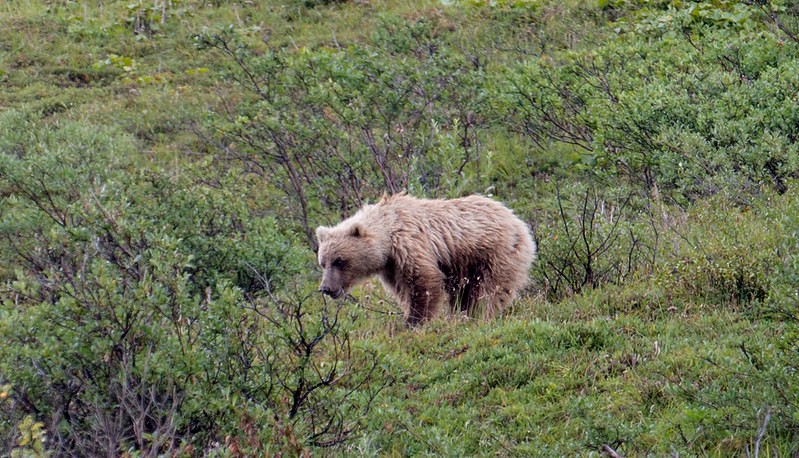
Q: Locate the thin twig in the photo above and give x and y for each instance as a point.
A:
(762, 431)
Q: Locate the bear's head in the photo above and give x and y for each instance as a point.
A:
(348, 254)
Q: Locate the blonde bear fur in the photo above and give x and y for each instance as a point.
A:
(473, 250)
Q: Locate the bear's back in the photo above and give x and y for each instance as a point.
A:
(469, 225)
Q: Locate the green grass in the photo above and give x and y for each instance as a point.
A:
(536, 384)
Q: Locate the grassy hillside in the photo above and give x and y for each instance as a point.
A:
(163, 165)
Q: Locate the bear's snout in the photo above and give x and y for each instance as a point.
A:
(335, 294)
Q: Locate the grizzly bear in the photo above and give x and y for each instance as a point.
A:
(473, 250)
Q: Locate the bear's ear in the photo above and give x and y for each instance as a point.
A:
(358, 231)
(322, 233)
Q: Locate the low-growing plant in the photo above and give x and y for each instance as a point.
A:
(590, 239)
(335, 127)
(153, 312)
(722, 263)
(706, 129)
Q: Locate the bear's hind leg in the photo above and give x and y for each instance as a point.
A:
(496, 301)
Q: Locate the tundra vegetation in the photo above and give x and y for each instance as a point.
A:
(163, 164)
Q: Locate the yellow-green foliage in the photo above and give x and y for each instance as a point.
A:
(726, 254)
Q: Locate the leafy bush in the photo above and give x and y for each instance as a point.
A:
(141, 308)
(689, 114)
(334, 127)
(722, 263)
(591, 239)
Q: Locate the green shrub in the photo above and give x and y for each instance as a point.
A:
(150, 311)
(336, 127)
(724, 255)
(689, 114)
(591, 238)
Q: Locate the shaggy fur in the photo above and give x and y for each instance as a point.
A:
(473, 250)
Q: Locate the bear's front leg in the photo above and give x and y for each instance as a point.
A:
(425, 296)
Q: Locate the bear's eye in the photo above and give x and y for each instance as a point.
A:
(338, 263)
